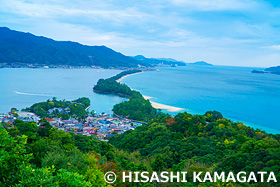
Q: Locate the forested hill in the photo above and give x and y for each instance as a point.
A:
(20, 47)
(136, 108)
(206, 142)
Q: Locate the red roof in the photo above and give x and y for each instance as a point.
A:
(49, 119)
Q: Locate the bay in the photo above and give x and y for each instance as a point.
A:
(22, 87)
(234, 91)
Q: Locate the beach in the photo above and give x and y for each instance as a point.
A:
(118, 80)
(163, 107)
(154, 104)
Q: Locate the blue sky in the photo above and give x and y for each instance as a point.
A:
(221, 32)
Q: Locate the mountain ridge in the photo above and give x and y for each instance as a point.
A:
(200, 63)
(159, 61)
(270, 70)
(21, 47)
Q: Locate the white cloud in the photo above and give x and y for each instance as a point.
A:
(209, 5)
(180, 29)
(276, 47)
(52, 10)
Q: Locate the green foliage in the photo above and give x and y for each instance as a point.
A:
(110, 86)
(48, 177)
(84, 100)
(14, 110)
(29, 129)
(124, 73)
(13, 158)
(158, 164)
(136, 108)
(76, 108)
(213, 115)
(50, 159)
(44, 128)
(93, 113)
(202, 143)
(45, 156)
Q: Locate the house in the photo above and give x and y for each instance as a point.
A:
(73, 120)
(3, 115)
(28, 116)
(51, 121)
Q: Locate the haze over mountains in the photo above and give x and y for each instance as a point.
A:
(23, 47)
(159, 61)
(271, 70)
(168, 61)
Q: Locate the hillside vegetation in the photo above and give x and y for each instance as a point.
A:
(203, 143)
(136, 108)
(20, 47)
(72, 108)
(44, 156)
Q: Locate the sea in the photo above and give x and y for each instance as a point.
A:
(234, 91)
(20, 88)
(238, 94)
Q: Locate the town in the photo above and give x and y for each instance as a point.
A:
(102, 126)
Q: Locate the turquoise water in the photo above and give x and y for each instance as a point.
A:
(21, 88)
(240, 95)
(236, 92)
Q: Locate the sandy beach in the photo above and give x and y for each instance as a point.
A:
(154, 104)
(127, 76)
(164, 107)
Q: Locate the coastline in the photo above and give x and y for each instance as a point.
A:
(118, 80)
(177, 109)
(163, 106)
(154, 104)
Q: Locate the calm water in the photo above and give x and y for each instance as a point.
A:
(240, 95)
(236, 92)
(21, 88)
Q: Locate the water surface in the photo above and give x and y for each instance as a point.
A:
(236, 92)
(22, 87)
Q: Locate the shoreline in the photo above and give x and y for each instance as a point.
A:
(118, 80)
(163, 106)
(154, 104)
(177, 109)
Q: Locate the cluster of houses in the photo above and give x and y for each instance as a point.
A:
(10, 117)
(102, 126)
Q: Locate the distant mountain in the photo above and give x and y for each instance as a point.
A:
(201, 63)
(170, 60)
(271, 70)
(20, 47)
(159, 61)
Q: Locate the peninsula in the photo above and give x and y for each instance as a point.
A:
(137, 104)
(271, 70)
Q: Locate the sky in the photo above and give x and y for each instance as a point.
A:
(221, 32)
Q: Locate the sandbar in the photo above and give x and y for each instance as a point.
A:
(127, 76)
(163, 107)
(154, 104)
